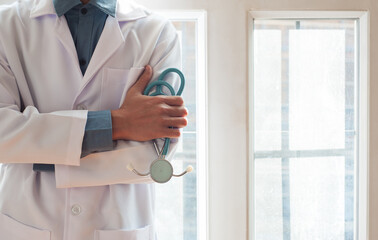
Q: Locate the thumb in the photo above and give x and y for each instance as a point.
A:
(142, 81)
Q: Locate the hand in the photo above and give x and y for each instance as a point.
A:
(143, 118)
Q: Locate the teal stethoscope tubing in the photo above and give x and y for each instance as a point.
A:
(159, 84)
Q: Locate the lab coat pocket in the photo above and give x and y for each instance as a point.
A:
(12, 229)
(115, 83)
(137, 234)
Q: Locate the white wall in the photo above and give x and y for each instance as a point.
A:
(6, 1)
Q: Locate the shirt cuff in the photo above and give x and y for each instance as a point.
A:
(98, 133)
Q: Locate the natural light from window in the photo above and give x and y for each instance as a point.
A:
(305, 129)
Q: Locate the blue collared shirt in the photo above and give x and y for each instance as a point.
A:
(86, 23)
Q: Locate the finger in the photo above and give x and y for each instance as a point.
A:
(172, 133)
(178, 122)
(143, 80)
(171, 100)
(174, 111)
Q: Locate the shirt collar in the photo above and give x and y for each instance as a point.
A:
(107, 6)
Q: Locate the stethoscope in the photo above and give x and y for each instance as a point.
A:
(161, 170)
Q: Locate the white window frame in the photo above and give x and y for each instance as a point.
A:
(200, 17)
(362, 173)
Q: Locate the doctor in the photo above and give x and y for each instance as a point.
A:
(71, 80)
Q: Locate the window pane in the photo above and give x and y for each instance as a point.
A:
(317, 198)
(268, 201)
(267, 93)
(317, 89)
(304, 129)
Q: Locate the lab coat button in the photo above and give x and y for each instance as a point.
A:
(81, 107)
(76, 210)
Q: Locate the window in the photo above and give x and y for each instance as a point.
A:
(307, 136)
(181, 203)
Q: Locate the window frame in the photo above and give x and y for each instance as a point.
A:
(362, 173)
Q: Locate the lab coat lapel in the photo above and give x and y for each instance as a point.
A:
(112, 36)
(111, 39)
(64, 35)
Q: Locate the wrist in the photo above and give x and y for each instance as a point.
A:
(117, 122)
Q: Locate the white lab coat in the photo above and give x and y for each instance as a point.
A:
(44, 101)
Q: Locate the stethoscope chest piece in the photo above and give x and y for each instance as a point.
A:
(161, 171)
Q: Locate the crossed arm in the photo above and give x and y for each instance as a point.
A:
(143, 118)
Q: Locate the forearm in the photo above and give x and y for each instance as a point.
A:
(33, 137)
(98, 133)
(97, 137)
